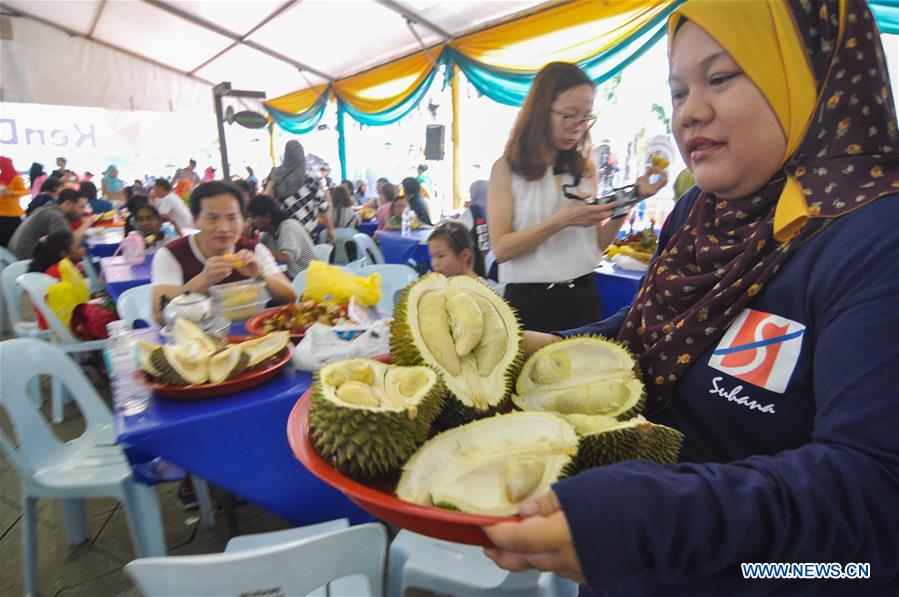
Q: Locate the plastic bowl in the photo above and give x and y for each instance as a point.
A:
(238, 301)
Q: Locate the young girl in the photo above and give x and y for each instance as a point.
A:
(52, 249)
(148, 222)
(453, 253)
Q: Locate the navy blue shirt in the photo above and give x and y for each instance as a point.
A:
(791, 451)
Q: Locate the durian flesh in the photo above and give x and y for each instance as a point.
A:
(368, 417)
(490, 465)
(581, 375)
(467, 333)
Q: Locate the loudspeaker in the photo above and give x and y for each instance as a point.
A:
(434, 141)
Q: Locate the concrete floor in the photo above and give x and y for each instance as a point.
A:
(95, 567)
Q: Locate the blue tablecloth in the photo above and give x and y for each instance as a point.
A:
(400, 249)
(104, 244)
(368, 227)
(119, 276)
(237, 442)
(617, 287)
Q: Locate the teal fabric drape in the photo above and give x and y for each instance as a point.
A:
(341, 138)
(511, 87)
(303, 122)
(886, 13)
(400, 110)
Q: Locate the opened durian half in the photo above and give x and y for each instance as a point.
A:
(368, 417)
(490, 465)
(180, 365)
(465, 332)
(229, 363)
(581, 375)
(259, 349)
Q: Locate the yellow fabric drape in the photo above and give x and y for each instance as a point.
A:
(569, 33)
(387, 86)
(298, 101)
(774, 58)
(457, 161)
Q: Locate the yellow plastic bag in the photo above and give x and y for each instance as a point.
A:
(324, 282)
(68, 293)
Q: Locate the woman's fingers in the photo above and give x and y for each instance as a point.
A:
(542, 506)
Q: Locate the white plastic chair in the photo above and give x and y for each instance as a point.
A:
(93, 277)
(355, 267)
(91, 465)
(136, 304)
(6, 258)
(342, 238)
(394, 277)
(366, 247)
(36, 285)
(294, 568)
(12, 296)
(454, 569)
(323, 251)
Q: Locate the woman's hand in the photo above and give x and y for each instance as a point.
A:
(646, 189)
(542, 541)
(534, 341)
(578, 213)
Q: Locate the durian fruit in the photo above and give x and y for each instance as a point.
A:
(465, 332)
(367, 417)
(229, 363)
(490, 465)
(584, 375)
(605, 440)
(259, 349)
(180, 365)
(145, 350)
(186, 332)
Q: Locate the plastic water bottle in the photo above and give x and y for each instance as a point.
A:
(120, 357)
(407, 221)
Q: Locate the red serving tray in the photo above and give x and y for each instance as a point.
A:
(378, 499)
(254, 324)
(250, 378)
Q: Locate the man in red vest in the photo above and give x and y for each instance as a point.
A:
(217, 254)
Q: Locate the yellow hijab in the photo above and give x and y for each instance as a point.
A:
(763, 37)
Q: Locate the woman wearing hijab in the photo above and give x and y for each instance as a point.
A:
(111, 187)
(12, 187)
(36, 178)
(765, 327)
(298, 195)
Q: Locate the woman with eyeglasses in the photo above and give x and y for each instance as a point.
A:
(546, 238)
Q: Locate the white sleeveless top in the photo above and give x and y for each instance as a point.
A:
(569, 253)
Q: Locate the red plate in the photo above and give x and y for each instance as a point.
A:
(379, 500)
(250, 378)
(254, 324)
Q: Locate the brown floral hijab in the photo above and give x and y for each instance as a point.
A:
(726, 251)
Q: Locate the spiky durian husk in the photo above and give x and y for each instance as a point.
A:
(643, 441)
(370, 444)
(455, 412)
(167, 373)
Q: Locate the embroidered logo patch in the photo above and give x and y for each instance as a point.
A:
(761, 349)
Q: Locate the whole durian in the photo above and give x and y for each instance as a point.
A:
(367, 417)
(490, 465)
(465, 332)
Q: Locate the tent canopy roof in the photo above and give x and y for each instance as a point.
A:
(275, 46)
